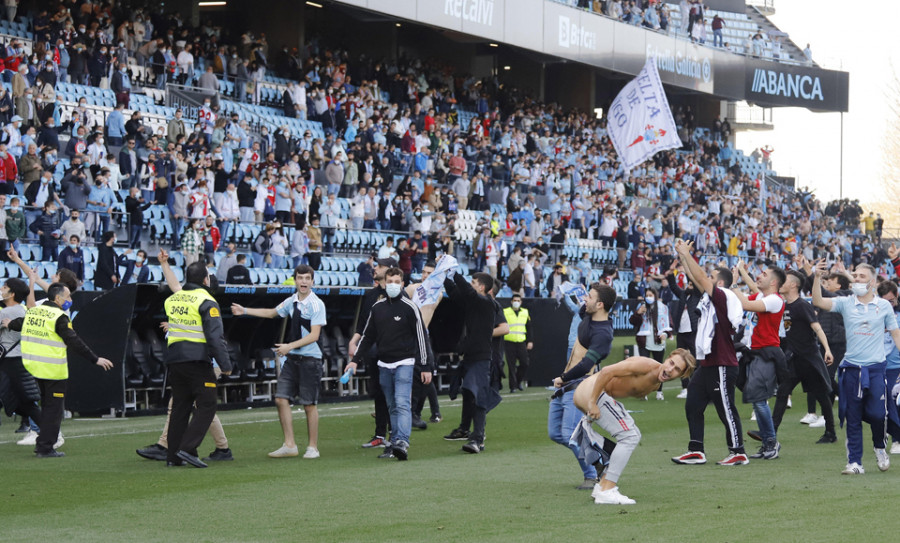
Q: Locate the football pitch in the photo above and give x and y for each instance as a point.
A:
(520, 489)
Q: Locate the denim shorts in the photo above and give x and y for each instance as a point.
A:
(299, 379)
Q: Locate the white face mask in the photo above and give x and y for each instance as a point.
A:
(516, 305)
(393, 289)
(650, 299)
(860, 289)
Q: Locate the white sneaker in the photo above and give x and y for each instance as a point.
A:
(284, 452)
(682, 395)
(809, 418)
(882, 459)
(753, 416)
(311, 453)
(612, 497)
(895, 448)
(789, 403)
(853, 469)
(818, 423)
(596, 492)
(659, 395)
(60, 441)
(29, 439)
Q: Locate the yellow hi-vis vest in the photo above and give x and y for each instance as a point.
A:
(516, 324)
(183, 312)
(43, 351)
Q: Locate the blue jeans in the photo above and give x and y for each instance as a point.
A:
(893, 424)
(764, 419)
(258, 259)
(134, 236)
(102, 225)
(561, 422)
(333, 188)
(277, 262)
(161, 81)
(49, 253)
(718, 40)
(397, 387)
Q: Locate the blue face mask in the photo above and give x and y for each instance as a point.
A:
(66, 305)
(393, 289)
(73, 246)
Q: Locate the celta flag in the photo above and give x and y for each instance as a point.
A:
(568, 289)
(640, 121)
(428, 292)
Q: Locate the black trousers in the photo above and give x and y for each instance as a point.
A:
(420, 392)
(713, 384)
(472, 416)
(21, 384)
(53, 405)
(516, 362)
(837, 350)
(192, 382)
(382, 415)
(812, 372)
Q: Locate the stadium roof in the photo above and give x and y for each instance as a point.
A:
(581, 36)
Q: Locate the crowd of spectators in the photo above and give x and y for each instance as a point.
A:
(409, 146)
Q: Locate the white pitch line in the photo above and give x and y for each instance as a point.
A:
(323, 412)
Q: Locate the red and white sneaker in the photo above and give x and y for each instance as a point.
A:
(734, 459)
(690, 457)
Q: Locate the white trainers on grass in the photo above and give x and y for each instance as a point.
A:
(809, 418)
(882, 459)
(853, 469)
(284, 452)
(682, 395)
(818, 423)
(311, 452)
(612, 497)
(895, 448)
(29, 439)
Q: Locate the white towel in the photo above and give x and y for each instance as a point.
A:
(706, 327)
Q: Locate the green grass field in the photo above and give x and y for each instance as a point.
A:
(520, 489)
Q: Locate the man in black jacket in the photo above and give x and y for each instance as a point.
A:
(46, 226)
(396, 327)
(475, 369)
(135, 206)
(106, 275)
(239, 274)
(684, 317)
(371, 297)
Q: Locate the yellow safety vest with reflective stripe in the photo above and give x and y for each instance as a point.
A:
(43, 350)
(183, 312)
(516, 324)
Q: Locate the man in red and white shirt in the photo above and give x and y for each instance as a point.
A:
(766, 365)
(207, 117)
(251, 159)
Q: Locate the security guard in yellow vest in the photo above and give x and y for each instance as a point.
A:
(196, 336)
(517, 342)
(46, 335)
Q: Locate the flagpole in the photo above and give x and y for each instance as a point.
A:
(841, 189)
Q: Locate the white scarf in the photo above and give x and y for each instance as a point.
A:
(706, 327)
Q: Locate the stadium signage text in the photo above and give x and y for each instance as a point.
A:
(479, 11)
(787, 85)
(572, 35)
(688, 66)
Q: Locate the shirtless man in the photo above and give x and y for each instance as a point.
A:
(597, 397)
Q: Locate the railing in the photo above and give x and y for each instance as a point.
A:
(744, 113)
(764, 6)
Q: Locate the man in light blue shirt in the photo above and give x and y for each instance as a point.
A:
(301, 372)
(115, 126)
(862, 372)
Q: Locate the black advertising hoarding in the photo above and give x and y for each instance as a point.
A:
(776, 84)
